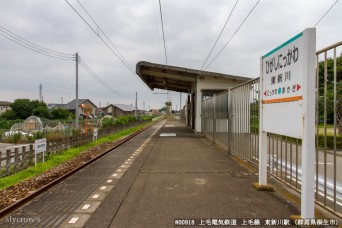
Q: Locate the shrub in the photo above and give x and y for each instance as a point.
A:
(108, 121)
(147, 117)
(330, 141)
(131, 118)
(122, 120)
(8, 115)
(7, 124)
(38, 135)
(14, 138)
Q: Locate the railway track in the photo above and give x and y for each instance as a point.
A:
(9, 209)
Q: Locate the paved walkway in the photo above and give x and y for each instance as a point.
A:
(185, 176)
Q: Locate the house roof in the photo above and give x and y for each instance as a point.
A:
(174, 78)
(125, 108)
(71, 104)
(5, 103)
(54, 105)
(106, 106)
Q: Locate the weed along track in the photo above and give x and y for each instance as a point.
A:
(17, 195)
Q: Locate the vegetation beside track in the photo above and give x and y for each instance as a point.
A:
(55, 160)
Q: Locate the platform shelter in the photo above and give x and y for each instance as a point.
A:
(197, 84)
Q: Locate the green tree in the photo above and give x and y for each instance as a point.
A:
(330, 103)
(21, 108)
(326, 89)
(8, 115)
(60, 113)
(24, 108)
(163, 109)
(41, 111)
(330, 73)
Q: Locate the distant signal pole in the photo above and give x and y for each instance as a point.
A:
(136, 104)
(40, 92)
(76, 103)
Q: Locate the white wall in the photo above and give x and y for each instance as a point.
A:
(206, 84)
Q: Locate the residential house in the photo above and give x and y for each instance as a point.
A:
(71, 106)
(155, 112)
(124, 110)
(117, 110)
(4, 106)
(105, 111)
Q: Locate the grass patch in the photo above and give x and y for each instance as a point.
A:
(58, 159)
(330, 130)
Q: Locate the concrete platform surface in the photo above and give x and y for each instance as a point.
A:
(185, 177)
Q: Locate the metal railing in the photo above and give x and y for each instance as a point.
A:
(231, 119)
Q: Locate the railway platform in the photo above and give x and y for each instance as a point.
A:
(165, 173)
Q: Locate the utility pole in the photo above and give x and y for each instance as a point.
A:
(76, 104)
(40, 92)
(136, 104)
(180, 101)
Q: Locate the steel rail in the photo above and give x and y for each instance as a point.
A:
(46, 187)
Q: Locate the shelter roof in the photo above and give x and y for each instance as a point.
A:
(174, 78)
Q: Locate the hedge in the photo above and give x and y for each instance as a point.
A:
(330, 141)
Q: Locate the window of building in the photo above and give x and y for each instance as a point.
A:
(207, 94)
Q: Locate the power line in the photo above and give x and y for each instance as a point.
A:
(231, 12)
(33, 47)
(164, 18)
(85, 21)
(325, 13)
(96, 77)
(111, 49)
(162, 23)
(233, 35)
(105, 35)
(157, 30)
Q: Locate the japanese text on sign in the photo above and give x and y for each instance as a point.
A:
(253, 222)
(282, 79)
(40, 145)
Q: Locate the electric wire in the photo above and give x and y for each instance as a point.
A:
(325, 13)
(164, 19)
(162, 23)
(157, 30)
(232, 35)
(36, 45)
(111, 49)
(85, 21)
(33, 47)
(124, 59)
(225, 24)
(96, 77)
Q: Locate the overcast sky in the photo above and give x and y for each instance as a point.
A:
(134, 27)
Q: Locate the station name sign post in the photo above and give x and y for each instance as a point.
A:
(287, 106)
(39, 147)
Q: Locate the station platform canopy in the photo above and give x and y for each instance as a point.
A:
(176, 79)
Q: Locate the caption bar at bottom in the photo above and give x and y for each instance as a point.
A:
(254, 222)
